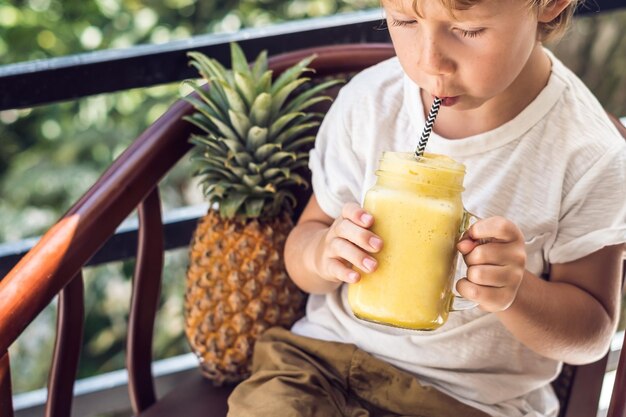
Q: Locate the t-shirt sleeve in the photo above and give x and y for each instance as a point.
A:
(336, 173)
(593, 213)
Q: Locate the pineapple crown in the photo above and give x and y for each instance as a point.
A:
(255, 133)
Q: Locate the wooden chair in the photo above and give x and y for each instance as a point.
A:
(54, 266)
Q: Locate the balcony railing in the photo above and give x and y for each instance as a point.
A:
(70, 78)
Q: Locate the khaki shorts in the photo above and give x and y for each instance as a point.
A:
(298, 376)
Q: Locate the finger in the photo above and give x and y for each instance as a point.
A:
(361, 237)
(466, 245)
(496, 254)
(494, 229)
(489, 275)
(356, 214)
(340, 271)
(342, 249)
(488, 298)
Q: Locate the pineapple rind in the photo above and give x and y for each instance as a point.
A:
(237, 288)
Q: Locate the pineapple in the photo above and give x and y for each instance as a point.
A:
(251, 152)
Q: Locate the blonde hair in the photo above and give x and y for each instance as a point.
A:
(547, 31)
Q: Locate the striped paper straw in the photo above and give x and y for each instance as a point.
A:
(430, 121)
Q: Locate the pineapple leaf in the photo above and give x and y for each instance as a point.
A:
(202, 123)
(283, 197)
(265, 82)
(239, 60)
(257, 136)
(233, 145)
(229, 206)
(294, 132)
(201, 106)
(279, 97)
(297, 103)
(254, 207)
(218, 98)
(213, 160)
(224, 173)
(302, 156)
(260, 109)
(260, 65)
(242, 158)
(266, 150)
(205, 142)
(216, 190)
(299, 180)
(240, 122)
(274, 172)
(204, 96)
(209, 68)
(291, 74)
(257, 168)
(252, 180)
(276, 158)
(245, 87)
(235, 102)
(292, 119)
(244, 189)
(225, 130)
(299, 164)
(283, 121)
(311, 102)
(300, 143)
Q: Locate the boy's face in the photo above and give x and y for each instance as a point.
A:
(469, 56)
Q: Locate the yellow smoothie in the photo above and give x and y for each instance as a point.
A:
(418, 213)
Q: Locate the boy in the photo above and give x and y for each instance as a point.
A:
(546, 171)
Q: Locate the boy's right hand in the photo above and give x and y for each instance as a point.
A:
(348, 243)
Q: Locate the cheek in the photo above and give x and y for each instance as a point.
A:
(406, 51)
(493, 72)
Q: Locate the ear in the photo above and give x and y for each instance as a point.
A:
(554, 8)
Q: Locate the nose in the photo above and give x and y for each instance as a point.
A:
(432, 57)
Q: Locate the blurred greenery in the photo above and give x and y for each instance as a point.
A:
(51, 154)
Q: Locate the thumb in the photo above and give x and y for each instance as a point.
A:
(466, 245)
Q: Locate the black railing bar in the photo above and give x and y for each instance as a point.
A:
(198, 41)
(41, 82)
(178, 226)
(171, 216)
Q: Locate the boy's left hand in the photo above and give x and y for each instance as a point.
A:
(495, 268)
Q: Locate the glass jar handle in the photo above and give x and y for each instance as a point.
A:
(459, 303)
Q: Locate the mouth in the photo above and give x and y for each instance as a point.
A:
(449, 101)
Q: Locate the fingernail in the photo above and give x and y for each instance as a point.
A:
(353, 276)
(369, 264)
(366, 218)
(376, 243)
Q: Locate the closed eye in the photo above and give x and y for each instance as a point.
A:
(396, 22)
(471, 33)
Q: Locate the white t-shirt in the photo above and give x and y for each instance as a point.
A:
(558, 170)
